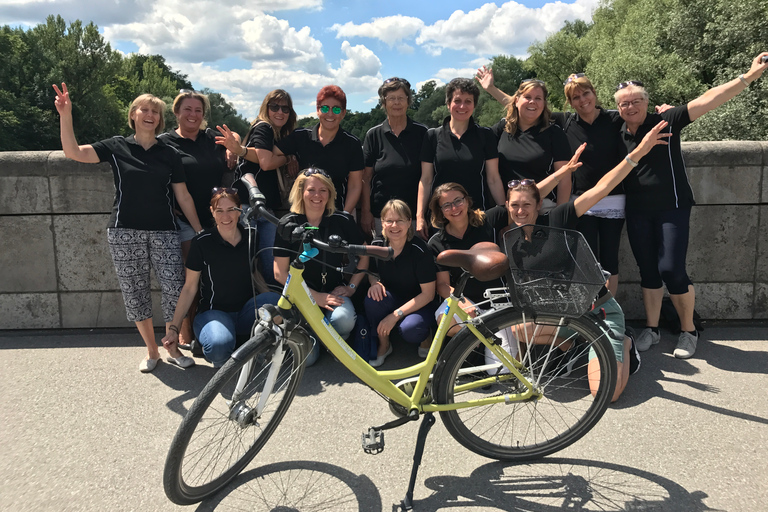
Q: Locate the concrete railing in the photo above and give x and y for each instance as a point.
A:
(57, 271)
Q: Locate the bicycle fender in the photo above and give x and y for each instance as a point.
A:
(261, 336)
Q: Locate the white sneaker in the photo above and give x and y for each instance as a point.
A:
(646, 339)
(686, 345)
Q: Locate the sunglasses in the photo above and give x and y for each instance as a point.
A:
(215, 191)
(274, 108)
(517, 183)
(456, 203)
(325, 108)
(534, 80)
(187, 91)
(622, 85)
(397, 79)
(314, 170)
(574, 76)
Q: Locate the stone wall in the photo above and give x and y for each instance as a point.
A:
(57, 271)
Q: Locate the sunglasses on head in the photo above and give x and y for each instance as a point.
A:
(574, 76)
(215, 191)
(534, 80)
(314, 170)
(397, 79)
(325, 108)
(274, 107)
(187, 91)
(622, 85)
(517, 183)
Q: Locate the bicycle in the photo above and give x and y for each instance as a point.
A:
(499, 406)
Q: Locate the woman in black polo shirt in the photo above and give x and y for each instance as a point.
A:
(403, 297)
(329, 147)
(142, 229)
(659, 201)
(219, 265)
(276, 120)
(460, 152)
(313, 201)
(392, 152)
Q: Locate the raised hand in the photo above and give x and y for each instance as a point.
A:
(228, 140)
(485, 77)
(62, 102)
(653, 138)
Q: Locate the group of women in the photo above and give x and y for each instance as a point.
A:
(471, 181)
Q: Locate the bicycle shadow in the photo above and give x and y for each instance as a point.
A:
(189, 382)
(559, 484)
(297, 486)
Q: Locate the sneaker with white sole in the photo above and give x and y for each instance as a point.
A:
(686, 345)
(634, 355)
(646, 339)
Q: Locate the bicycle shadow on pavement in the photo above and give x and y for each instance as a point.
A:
(559, 484)
(297, 485)
(188, 381)
(659, 366)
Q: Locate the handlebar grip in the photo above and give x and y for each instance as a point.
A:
(258, 201)
(377, 251)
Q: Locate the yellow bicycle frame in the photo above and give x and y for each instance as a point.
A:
(296, 293)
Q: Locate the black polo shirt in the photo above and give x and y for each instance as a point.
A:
(660, 181)
(461, 160)
(143, 195)
(604, 150)
(205, 162)
(530, 153)
(341, 156)
(339, 223)
(561, 216)
(260, 136)
(442, 241)
(413, 267)
(396, 162)
(225, 270)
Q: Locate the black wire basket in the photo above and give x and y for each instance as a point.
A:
(552, 270)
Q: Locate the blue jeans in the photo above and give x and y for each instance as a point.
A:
(413, 328)
(266, 238)
(342, 318)
(217, 330)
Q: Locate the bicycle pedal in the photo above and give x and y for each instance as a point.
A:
(373, 441)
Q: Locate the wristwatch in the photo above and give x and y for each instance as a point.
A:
(352, 285)
(399, 313)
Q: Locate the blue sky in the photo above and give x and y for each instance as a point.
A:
(244, 51)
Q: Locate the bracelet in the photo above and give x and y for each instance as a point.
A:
(245, 152)
(743, 80)
(173, 328)
(630, 161)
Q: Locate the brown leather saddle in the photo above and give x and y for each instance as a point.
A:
(484, 260)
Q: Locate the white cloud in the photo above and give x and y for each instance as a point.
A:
(360, 62)
(390, 29)
(448, 74)
(509, 29)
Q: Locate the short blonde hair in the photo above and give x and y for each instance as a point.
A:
(629, 90)
(296, 196)
(153, 101)
(202, 98)
(401, 209)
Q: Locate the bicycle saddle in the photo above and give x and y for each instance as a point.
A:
(484, 260)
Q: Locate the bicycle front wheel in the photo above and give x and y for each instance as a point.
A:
(555, 360)
(233, 418)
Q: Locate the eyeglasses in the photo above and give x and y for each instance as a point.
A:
(315, 170)
(396, 99)
(517, 183)
(622, 85)
(325, 108)
(635, 103)
(574, 76)
(396, 222)
(396, 79)
(275, 107)
(223, 190)
(456, 203)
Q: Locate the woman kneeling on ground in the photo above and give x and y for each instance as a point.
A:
(403, 297)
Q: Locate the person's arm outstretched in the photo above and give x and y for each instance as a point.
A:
(85, 154)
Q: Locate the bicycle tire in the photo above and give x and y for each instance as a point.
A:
(211, 448)
(527, 430)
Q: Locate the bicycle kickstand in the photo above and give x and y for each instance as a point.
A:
(421, 441)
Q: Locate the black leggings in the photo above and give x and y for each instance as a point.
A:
(603, 237)
(659, 241)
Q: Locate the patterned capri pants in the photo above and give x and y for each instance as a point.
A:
(134, 251)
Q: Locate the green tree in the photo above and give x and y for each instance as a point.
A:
(431, 98)
(222, 112)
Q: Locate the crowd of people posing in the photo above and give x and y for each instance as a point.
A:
(421, 190)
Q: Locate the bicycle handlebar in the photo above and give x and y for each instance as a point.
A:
(335, 243)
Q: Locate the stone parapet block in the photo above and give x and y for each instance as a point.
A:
(29, 311)
(27, 258)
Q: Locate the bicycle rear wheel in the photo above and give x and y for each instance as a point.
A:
(225, 429)
(519, 431)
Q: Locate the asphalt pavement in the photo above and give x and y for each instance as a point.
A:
(82, 430)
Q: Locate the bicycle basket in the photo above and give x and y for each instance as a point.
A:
(552, 271)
